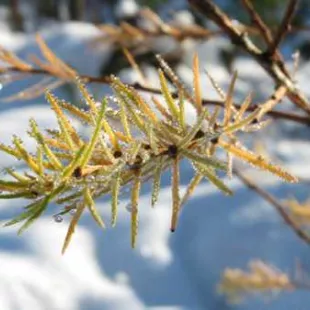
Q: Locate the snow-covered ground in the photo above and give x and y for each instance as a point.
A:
(166, 271)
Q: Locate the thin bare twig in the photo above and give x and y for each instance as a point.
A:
(261, 26)
(265, 32)
(276, 204)
(275, 68)
(194, 31)
(284, 27)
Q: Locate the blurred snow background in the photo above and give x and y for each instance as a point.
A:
(167, 271)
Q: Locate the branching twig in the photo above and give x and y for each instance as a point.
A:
(261, 26)
(284, 27)
(276, 69)
(265, 32)
(128, 34)
(275, 203)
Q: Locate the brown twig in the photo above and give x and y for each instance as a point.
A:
(293, 29)
(261, 26)
(284, 27)
(179, 32)
(265, 32)
(194, 32)
(275, 68)
(276, 204)
(297, 118)
(128, 35)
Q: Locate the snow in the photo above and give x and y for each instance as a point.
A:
(166, 271)
(126, 8)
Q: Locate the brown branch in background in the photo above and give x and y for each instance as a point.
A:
(265, 32)
(180, 34)
(294, 117)
(276, 204)
(194, 32)
(261, 26)
(293, 29)
(284, 27)
(128, 35)
(16, 16)
(276, 69)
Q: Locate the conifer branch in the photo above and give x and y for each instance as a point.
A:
(74, 171)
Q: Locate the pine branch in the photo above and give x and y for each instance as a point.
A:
(73, 171)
